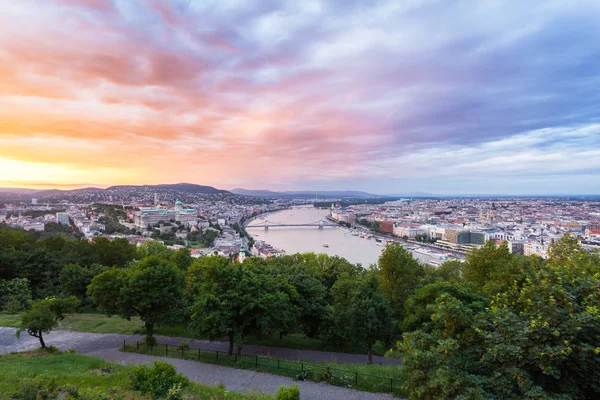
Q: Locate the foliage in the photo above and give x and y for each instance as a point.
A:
(81, 377)
(40, 388)
(14, 295)
(150, 289)
(111, 217)
(205, 237)
(493, 268)
(153, 248)
(182, 259)
(359, 315)
(157, 380)
(288, 393)
(371, 225)
(236, 300)
(538, 338)
(45, 315)
(399, 274)
(423, 238)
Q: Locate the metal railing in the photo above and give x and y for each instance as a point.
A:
(294, 369)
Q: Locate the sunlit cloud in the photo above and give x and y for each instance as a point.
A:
(386, 97)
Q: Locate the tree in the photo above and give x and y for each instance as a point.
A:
(371, 314)
(493, 268)
(151, 289)
(117, 252)
(236, 300)
(182, 258)
(399, 274)
(539, 338)
(45, 315)
(312, 294)
(75, 279)
(15, 294)
(154, 248)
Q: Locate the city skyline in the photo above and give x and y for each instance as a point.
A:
(439, 97)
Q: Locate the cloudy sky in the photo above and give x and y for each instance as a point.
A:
(479, 96)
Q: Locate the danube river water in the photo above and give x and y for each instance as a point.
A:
(312, 239)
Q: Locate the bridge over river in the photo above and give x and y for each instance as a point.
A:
(319, 224)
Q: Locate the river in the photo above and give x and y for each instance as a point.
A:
(312, 239)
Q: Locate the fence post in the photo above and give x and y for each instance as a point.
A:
(137, 346)
(256, 361)
(124, 345)
(166, 349)
(217, 354)
(198, 354)
(278, 363)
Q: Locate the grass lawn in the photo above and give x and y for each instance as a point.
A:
(18, 370)
(370, 378)
(99, 323)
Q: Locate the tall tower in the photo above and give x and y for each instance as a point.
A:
(155, 199)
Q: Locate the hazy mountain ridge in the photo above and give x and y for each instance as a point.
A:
(306, 193)
(182, 187)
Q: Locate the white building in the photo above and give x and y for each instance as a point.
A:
(62, 218)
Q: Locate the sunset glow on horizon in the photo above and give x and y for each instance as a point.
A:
(437, 96)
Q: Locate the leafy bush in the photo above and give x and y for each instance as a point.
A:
(183, 346)
(158, 379)
(13, 307)
(40, 388)
(288, 393)
(175, 392)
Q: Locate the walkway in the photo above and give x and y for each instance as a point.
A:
(106, 346)
(85, 342)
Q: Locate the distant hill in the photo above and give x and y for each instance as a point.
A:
(414, 194)
(307, 193)
(18, 190)
(182, 187)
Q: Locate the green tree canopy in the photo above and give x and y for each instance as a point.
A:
(235, 300)
(399, 274)
(150, 289)
(45, 315)
(539, 338)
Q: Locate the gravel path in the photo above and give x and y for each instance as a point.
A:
(239, 380)
(106, 346)
(85, 342)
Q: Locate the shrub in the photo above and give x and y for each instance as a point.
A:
(288, 393)
(13, 307)
(183, 346)
(52, 350)
(175, 392)
(158, 379)
(40, 388)
(150, 341)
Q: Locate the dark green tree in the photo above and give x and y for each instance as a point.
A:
(370, 314)
(182, 258)
(399, 274)
(45, 315)
(150, 289)
(235, 300)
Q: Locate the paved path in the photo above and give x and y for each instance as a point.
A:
(106, 346)
(85, 342)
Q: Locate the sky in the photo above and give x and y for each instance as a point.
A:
(446, 97)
